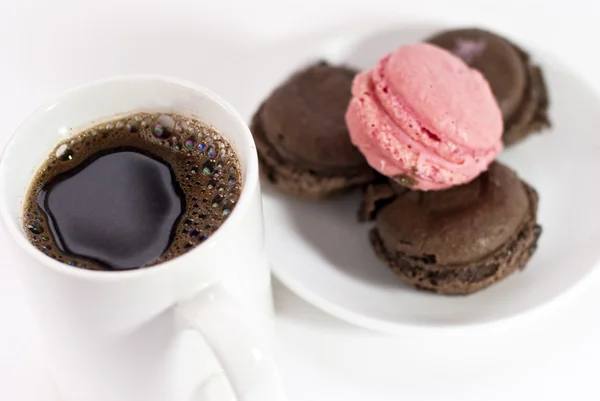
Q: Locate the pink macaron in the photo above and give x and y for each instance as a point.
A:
(423, 117)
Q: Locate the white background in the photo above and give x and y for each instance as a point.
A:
(241, 49)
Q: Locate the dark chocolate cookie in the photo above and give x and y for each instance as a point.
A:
(303, 144)
(517, 83)
(459, 240)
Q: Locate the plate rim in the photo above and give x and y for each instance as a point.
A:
(578, 289)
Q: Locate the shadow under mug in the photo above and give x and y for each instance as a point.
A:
(148, 334)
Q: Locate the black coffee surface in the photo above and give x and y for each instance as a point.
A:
(120, 209)
(132, 193)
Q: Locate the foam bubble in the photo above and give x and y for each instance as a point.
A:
(208, 167)
(189, 143)
(64, 152)
(132, 126)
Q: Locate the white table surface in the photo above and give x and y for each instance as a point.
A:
(48, 46)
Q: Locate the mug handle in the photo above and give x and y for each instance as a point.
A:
(249, 367)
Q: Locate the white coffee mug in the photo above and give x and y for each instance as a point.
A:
(189, 329)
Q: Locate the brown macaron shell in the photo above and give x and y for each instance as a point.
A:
(516, 82)
(303, 144)
(460, 240)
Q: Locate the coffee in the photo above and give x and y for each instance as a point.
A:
(132, 193)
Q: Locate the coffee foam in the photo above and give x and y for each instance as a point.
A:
(202, 161)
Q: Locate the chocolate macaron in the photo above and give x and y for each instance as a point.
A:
(517, 83)
(459, 240)
(303, 144)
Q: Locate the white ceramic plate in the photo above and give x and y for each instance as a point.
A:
(320, 251)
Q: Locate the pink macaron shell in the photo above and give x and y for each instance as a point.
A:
(383, 162)
(452, 100)
(392, 152)
(404, 117)
(363, 90)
